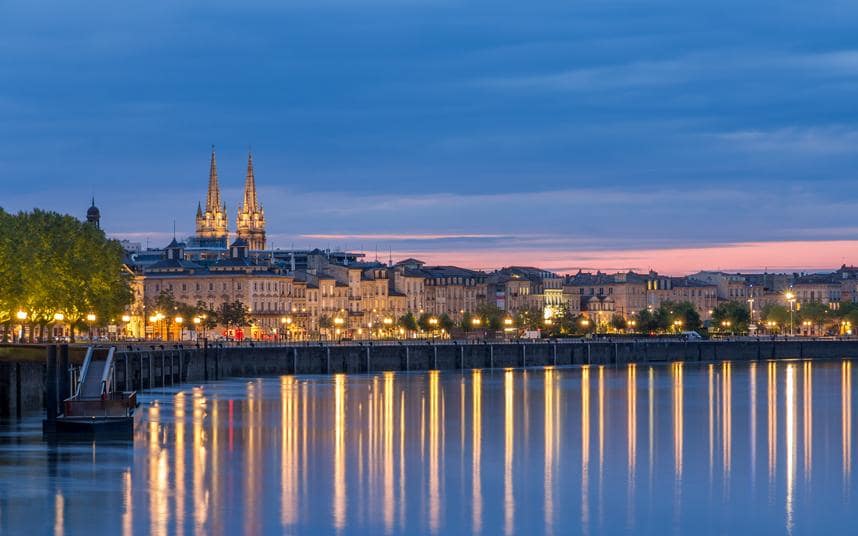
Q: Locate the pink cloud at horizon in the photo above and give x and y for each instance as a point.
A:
(747, 256)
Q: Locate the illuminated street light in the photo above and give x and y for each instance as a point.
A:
(21, 315)
(790, 298)
(59, 317)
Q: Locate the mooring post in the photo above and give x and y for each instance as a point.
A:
(63, 376)
(407, 359)
(163, 369)
(491, 356)
(51, 384)
(435, 357)
(461, 357)
(206, 359)
(524, 355)
(367, 358)
(328, 358)
(125, 374)
(294, 360)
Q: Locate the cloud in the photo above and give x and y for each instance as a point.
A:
(820, 140)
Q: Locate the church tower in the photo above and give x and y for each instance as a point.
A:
(212, 224)
(250, 220)
(93, 215)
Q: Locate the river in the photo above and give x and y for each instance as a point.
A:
(706, 448)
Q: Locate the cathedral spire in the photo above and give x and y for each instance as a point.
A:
(213, 201)
(250, 202)
(250, 220)
(212, 224)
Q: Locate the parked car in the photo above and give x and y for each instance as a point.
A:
(692, 336)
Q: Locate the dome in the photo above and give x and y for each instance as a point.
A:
(93, 211)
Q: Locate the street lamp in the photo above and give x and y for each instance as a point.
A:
(22, 317)
(790, 298)
(90, 318)
(58, 317)
(125, 320)
(179, 321)
(678, 325)
(338, 321)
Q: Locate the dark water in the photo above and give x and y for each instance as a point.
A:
(726, 448)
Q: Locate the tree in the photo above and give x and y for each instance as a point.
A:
(408, 322)
(529, 319)
(446, 323)
(684, 312)
(648, 322)
(424, 322)
(208, 317)
(618, 322)
(234, 314)
(55, 264)
(732, 316)
(814, 312)
(775, 316)
(467, 323)
(491, 316)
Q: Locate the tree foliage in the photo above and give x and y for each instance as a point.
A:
(664, 318)
(52, 263)
(408, 322)
(775, 313)
(734, 312)
(234, 314)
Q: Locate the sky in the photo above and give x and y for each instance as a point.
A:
(672, 135)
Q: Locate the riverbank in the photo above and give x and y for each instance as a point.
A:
(22, 379)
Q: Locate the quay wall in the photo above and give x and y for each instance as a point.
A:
(23, 384)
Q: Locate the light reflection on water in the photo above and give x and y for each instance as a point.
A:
(584, 450)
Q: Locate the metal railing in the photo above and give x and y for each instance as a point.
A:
(81, 376)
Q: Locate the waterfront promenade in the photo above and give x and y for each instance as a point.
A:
(141, 367)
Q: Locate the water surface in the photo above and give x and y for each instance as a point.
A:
(709, 448)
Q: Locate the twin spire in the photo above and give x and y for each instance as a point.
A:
(213, 200)
(250, 220)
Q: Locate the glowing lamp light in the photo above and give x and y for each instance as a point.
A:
(90, 317)
(179, 320)
(21, 315)
(59, 317)
(197, 320)
(126, 318)
(388, 321)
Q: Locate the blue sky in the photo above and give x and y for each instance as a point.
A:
(501, 128)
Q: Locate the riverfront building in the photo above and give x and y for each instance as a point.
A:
(302, 293)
